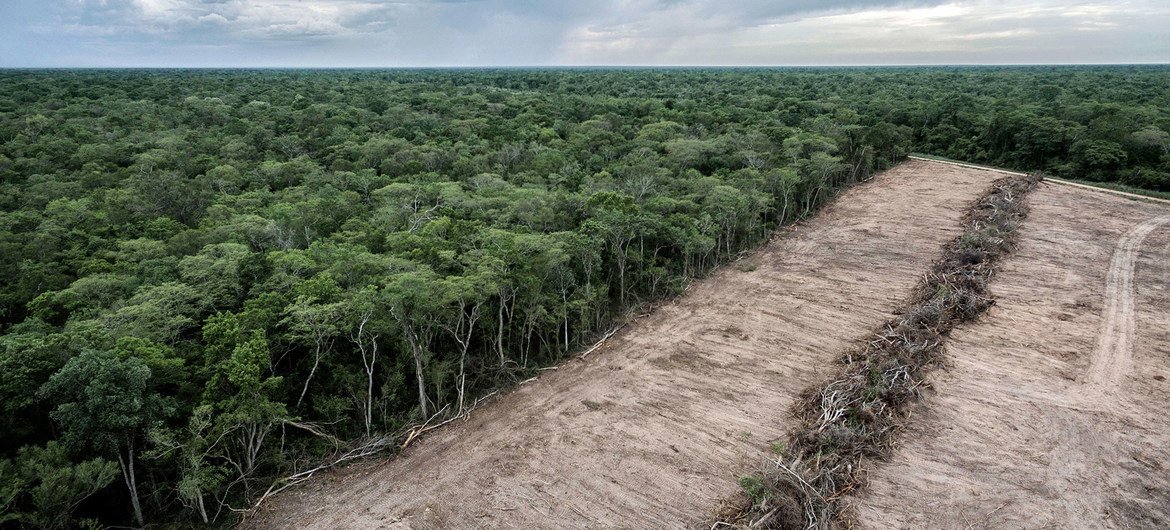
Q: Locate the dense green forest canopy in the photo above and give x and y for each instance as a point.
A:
(216, 278)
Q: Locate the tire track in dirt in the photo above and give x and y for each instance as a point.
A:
(1113, 355)
(1110, 363)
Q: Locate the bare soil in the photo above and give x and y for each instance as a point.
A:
(655, 428)
(1055, 409)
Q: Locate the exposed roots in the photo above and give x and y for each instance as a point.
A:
(855, 416)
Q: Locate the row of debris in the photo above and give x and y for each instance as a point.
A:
(853, 419)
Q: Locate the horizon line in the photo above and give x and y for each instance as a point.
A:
(578, 66)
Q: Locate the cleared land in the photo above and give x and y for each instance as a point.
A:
(654, 428)
(1055, 410)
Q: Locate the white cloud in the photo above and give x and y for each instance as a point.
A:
(214, 18)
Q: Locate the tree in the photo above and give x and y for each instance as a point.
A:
(1151, 141)
(216, 272)
(464, 296)
(238, 411)
(315, 322)
(781, 184)
(819, 172)
(364, 334)
(194, 448)
(50, 484)
(104, 407)
(614, 220)
(413, 299)
(35, 125)
(495, 255)
(1098, 157)
(27, 360)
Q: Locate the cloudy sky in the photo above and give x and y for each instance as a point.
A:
(329, 33)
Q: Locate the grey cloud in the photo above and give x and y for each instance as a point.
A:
(533, 32)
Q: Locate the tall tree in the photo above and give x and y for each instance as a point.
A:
(104, 407)
(315, 320)
(413, 300)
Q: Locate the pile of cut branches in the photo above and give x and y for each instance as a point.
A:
(855, 415)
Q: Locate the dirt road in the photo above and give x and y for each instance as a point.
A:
(1055, 412)
(655, 428)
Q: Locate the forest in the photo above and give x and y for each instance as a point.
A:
(217, 278)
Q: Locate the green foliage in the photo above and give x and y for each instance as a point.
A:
(165, 368)
(104, 405)
(103, 402)
(42, 487)
(27, 360)
(193, 452)
(754, 488)
(161, 313)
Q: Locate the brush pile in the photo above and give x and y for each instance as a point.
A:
(854, 417)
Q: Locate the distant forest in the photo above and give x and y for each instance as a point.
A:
(213, 279)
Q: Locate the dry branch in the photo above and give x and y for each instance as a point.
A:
(599, 343)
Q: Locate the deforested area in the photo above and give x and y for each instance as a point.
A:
(1051, 411)
(859, 412)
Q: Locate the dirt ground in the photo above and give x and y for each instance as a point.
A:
(1055, 409)
(654, 428)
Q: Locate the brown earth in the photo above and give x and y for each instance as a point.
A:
(654, 428)
(1055, 409)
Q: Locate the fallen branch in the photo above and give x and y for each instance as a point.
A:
(315, 431)
(367, 449)
(602, 341)
(418, 430)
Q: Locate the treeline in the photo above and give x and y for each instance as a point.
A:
(218, 278)
(1102, 123)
